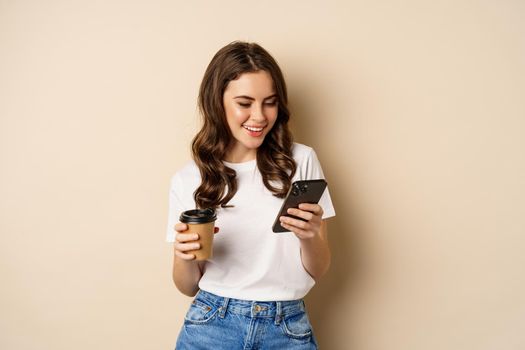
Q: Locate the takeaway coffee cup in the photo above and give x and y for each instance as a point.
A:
(201, 221)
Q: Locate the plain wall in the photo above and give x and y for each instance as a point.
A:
(415, 108)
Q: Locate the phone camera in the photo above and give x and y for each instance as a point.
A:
(303, 188)
(296, 189)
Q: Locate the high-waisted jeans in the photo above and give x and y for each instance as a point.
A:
(216, 323)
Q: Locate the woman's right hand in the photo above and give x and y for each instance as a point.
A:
(185, 242)
(186, 270)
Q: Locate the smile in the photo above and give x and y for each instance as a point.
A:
(251, 128)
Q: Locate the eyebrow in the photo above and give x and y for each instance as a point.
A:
(252, 99)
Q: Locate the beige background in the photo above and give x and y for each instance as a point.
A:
(416, 110)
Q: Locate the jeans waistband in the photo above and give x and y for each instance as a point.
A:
(253, 308)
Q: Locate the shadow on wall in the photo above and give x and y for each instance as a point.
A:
(337, 286)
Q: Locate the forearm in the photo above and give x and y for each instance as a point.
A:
(186, 275)
(315, 254)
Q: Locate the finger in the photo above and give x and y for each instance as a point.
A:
(181, 227)
(300, 233)
(314, 208)
(186, 247)
(185, 256)
(300, 213)
(295, 222)
(186, 237)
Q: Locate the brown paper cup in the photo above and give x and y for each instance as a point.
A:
(205, 232)
(202, 222)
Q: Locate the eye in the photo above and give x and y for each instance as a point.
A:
(244, 105)
(271, 103)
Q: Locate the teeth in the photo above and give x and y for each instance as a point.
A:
(252, 129)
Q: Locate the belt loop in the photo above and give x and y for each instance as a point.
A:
(224, 307)
(278, 313)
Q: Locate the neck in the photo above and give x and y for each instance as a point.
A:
(240, 156)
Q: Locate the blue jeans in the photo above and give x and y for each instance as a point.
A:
(215, 323)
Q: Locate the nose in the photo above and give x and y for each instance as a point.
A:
(258, 113)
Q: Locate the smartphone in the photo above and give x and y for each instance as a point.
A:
(302, 191)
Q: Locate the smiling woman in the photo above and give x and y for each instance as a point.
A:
(242, 86)
(251, 109)
(244, 161)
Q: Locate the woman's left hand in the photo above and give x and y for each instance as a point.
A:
(304, 229)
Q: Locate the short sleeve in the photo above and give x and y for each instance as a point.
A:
(314, 171)
(175, 206)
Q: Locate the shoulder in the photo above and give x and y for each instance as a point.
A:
(187, 173)
(301, 153)
(308, 165)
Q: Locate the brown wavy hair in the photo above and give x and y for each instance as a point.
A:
(274, 157)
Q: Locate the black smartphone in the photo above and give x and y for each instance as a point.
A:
(302, 191)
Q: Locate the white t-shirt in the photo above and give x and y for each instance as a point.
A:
(249, 260)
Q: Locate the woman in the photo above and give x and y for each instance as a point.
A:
(244, 162)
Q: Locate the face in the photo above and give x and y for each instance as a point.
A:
(250, 104)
